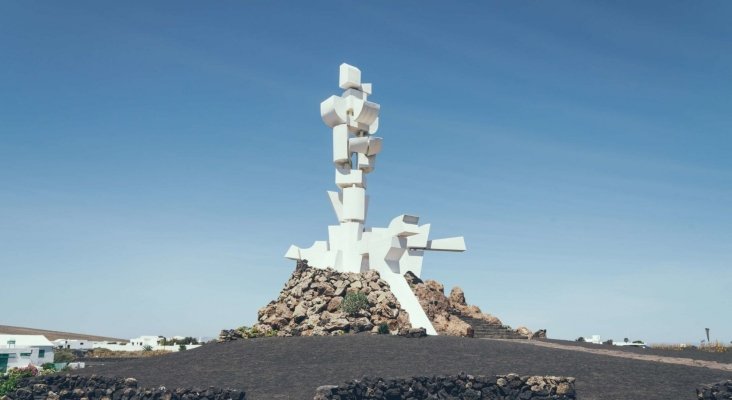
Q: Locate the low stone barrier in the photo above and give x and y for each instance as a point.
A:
(462, 386)
(73, 387)
(717, 391)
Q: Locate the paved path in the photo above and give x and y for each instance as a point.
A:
(624, 354)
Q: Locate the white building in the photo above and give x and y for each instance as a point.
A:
(143, 341)
(73, 344)
(18, 351)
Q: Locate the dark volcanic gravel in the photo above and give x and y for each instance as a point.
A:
(291, 368)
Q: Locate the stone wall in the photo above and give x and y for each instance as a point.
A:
(72, 387)
(717, 391)
(462, 386)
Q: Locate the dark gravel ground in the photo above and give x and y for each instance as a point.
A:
(291, 368)
(687, 353)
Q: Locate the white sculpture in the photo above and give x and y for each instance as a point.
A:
(351, 247)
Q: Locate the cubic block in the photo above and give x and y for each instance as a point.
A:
(349, 77)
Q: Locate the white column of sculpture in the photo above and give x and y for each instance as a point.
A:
(392, 251)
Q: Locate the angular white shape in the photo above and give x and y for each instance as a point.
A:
(354, 204)
(349, 177)
(448, 244)
(364, 163)
(358, 144)
(336, 199)
(367, 88)
(293, 253)
(368, 114)
(404, 225)
(374, 146)
(334, 111)
(349, 77)
(340, 144)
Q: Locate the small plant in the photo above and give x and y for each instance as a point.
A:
(10, 381)
(147, 347)
(354, 302)
(48, 367)
(383, 329)
(182, 347)
(580, 339)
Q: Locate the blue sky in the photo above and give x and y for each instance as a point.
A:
(157, 159)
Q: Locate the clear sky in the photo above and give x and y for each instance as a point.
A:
(158, 158)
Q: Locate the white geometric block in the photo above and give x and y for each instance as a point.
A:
(340, 144)
(334, 111)
(349, 77)
(448, 244)
(419, 241)
(367, 88)
(404, 225)
(374, 146)
(354, 204)
(348, 177)
(369, 112)
(364, 163)
(358, 144)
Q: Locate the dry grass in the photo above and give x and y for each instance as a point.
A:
(712, 347)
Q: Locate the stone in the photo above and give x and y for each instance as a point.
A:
(524, 331)
(457, 296)
(540, 334)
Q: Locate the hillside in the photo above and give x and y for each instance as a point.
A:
(53, 335)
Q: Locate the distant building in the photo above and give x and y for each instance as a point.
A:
(20, 350)
(73, 344)
(143, 341)
(593, 339)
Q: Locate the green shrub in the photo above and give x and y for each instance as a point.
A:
(383, 329)
(147, 347)
(354, 302)
(182, 347)
(63, 356)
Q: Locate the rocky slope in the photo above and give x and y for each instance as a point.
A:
(312, 304)
(444, 311)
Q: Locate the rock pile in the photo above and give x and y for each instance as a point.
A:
(462, 386)
(71, 387)
(310, 305)
(717, 391)
(444, 311)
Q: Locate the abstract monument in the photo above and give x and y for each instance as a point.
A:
(352, 247)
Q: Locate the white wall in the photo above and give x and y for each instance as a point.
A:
(22, 356)
(74, 344)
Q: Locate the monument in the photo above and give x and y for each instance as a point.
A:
(351, 246)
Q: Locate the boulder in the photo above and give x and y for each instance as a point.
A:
(524, 331)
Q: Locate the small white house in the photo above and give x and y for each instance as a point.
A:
(143, 341)
(18, 351)
(73, 344)
(593, 339)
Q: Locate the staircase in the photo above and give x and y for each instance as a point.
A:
(483, 329)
